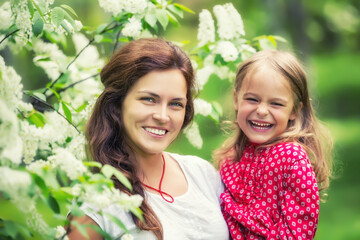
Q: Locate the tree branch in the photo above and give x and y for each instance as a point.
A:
(51, 107)
(8, 35)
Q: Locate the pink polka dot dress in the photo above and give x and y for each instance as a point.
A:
(270, 194)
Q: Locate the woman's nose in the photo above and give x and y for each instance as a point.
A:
(161, 114)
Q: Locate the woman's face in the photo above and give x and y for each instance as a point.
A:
(154, 110)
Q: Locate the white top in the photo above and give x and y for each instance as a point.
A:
(194, 215)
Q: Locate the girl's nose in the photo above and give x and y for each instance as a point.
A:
(262, 110)
(161, 114)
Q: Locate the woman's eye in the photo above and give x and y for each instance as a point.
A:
(177, 104)
(147, 99)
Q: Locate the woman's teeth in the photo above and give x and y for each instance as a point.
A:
(156, 131)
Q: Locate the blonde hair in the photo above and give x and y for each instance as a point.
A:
(305, 129)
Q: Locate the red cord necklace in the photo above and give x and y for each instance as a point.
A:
(171, 200)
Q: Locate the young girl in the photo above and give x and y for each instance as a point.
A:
(279, 159)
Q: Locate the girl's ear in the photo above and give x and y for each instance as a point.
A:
(235, 100)
(295, 113)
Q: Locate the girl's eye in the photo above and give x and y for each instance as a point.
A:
(277, 104)
(251, 99)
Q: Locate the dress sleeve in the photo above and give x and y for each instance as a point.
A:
(298, 213)
(299, 205)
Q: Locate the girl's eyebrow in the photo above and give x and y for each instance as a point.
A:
(157, 96)
(273, 99)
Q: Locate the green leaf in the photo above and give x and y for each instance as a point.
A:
(172, 18)
(53, 204)
(116, 220)
(57, 16)
(39, 96)
(37, 27)
(10, 228)
(76, 211)
(109, 171)
(280, 39)
(40, 183)
(150, 18)
(176, 10)
(67, 111)
(138, 213)
(101, 28)
(184, 8)
(54, 92)
(66, 7)
(37, 118)
(100, 231)
(98, 38)
(162, 17)
(265, 43)
(92, 164)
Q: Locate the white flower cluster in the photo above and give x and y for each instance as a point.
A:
(127, 236)
(202, 107)
(6, 17)
(206, 31)
(108, 196)
(115, 6)
(227, 50)
(132, 28)
(14, 182)
(11, 88)
(203, 75)
(23, 22)
(77, 146)
(229, 22)
(192, 133)
(68, 163)
(10, 141)
(57, 59)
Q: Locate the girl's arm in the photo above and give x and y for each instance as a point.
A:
(298, 214)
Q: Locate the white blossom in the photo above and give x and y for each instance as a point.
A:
(58, 60)
(10, 86)
(132, 28)
(68, 163)
(203, 75)
(206, 31)
(202, 107)
(14, 182)
(101, 200)
(60, 232)
(29, 135)
(6, 17)
(192, 133)
(227, 50)
(225, 73)
(39, 165)
(111, 6)
(77, 146)
(10, 142)
(229, 22)
(134, 6)
(127, 236)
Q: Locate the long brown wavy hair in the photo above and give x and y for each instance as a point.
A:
(305, 129)
(105, 131)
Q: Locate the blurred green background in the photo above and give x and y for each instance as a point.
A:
(325, 35)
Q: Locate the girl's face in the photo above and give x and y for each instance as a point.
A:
(154, 110)
(264, 105)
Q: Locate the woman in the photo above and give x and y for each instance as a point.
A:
(146, 102)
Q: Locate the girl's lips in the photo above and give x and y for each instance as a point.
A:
(156, 131)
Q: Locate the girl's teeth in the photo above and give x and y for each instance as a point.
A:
(261, 125)
(155, 131)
